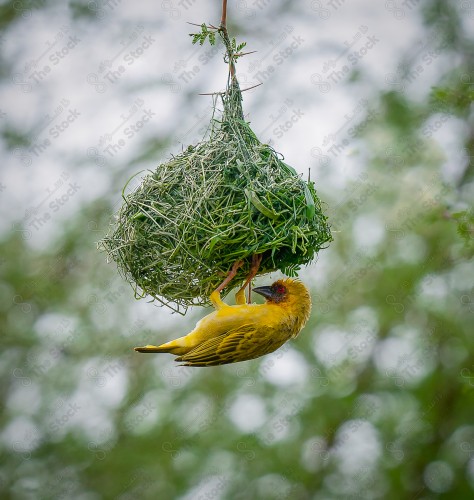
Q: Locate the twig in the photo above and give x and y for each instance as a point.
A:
(225, 36)
(208, 25)
(252, 87)
(223, 92)
(224, 14)
(240, 54)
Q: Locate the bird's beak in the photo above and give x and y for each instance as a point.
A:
(265, 291)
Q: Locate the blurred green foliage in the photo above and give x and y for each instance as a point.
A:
(386, 413)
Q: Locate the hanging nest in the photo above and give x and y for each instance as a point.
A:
(225, 199)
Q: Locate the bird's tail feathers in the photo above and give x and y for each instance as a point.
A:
(152, 348)
(173, 347)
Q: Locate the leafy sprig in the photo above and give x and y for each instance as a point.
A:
(205, 33)
(237, 48)
(209, 33)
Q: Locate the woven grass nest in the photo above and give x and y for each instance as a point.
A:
(224, 199)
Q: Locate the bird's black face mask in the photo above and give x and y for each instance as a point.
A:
(275, 293)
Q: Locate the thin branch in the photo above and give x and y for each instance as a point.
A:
(207, 25)
(224, 14)
(212, 93)
(252, 87)
(225, 36)
(240, 54)
(224, 91)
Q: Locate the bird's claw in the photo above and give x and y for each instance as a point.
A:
(231, 275)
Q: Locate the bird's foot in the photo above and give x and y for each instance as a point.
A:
(231, 275)
(215, 297)
(240, 295)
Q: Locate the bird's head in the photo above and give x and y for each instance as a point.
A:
(276, 293)
(284, 290)
(290, 294)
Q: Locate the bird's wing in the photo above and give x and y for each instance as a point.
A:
(238, 344)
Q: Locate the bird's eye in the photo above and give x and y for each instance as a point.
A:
(280, 289)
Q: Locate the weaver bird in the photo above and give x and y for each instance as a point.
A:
(243, 331)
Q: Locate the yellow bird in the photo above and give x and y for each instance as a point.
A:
(243, 331)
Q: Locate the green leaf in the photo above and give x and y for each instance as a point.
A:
(213, 241)
(310, 207)
(291, 169)
(253, 198)
(139, 215)
(291, 270)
